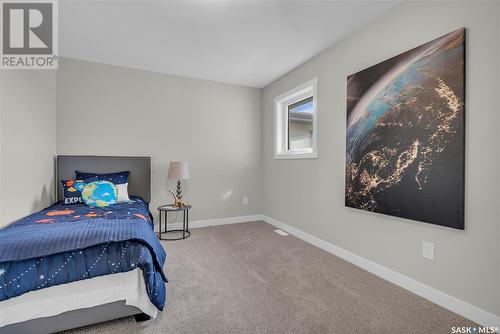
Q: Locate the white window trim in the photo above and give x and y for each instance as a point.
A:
(281, 102)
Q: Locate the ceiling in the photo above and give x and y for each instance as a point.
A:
(249, 43)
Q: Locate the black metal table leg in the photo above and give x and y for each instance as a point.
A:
(159, 226)
(184, 224)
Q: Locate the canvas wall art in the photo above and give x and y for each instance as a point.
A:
(405, 136)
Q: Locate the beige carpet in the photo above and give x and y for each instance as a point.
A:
(245, 278)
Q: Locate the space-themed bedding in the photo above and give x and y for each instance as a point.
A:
(62, 244)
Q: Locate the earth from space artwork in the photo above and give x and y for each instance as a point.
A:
(405, 137)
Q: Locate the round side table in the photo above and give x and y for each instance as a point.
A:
(163, 215)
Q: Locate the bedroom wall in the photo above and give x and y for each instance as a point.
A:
(28, 142)
(309, 194)
(1, 169)
(111, 110)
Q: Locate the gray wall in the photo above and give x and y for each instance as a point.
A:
(309, 194)
(2, 223)
(27, 142)
(110, 110)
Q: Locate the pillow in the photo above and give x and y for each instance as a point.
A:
(120, 179)
(100, 194)
(116, 178)
(72, 190)
(122, 192)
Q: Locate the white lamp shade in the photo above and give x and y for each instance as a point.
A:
(178, 170)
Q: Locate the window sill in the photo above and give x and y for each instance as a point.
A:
(289, 156)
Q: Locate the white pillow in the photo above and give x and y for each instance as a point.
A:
(122, 192)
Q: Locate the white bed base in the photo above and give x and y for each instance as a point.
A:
(76, 304)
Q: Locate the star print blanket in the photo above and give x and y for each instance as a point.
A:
(66, 243)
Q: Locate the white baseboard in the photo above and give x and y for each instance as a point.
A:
(440, 298)
(217, 221)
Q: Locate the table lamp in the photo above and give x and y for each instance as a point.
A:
(178, 170)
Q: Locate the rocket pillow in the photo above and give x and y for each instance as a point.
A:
(72, 190)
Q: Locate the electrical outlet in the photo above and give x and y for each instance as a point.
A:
(428, 250)
(245, 200)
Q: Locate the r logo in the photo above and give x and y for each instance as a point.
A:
(27, 28)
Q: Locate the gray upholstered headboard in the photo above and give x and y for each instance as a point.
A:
(139, 183)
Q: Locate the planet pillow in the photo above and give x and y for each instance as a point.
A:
(100, 194)
(119, 179)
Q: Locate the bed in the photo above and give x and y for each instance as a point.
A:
(71, 265)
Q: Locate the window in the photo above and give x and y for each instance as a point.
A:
(300, 125)
(295, 130)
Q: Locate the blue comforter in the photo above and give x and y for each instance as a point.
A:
(66, 243)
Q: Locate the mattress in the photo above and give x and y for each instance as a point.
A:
(128, 286)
